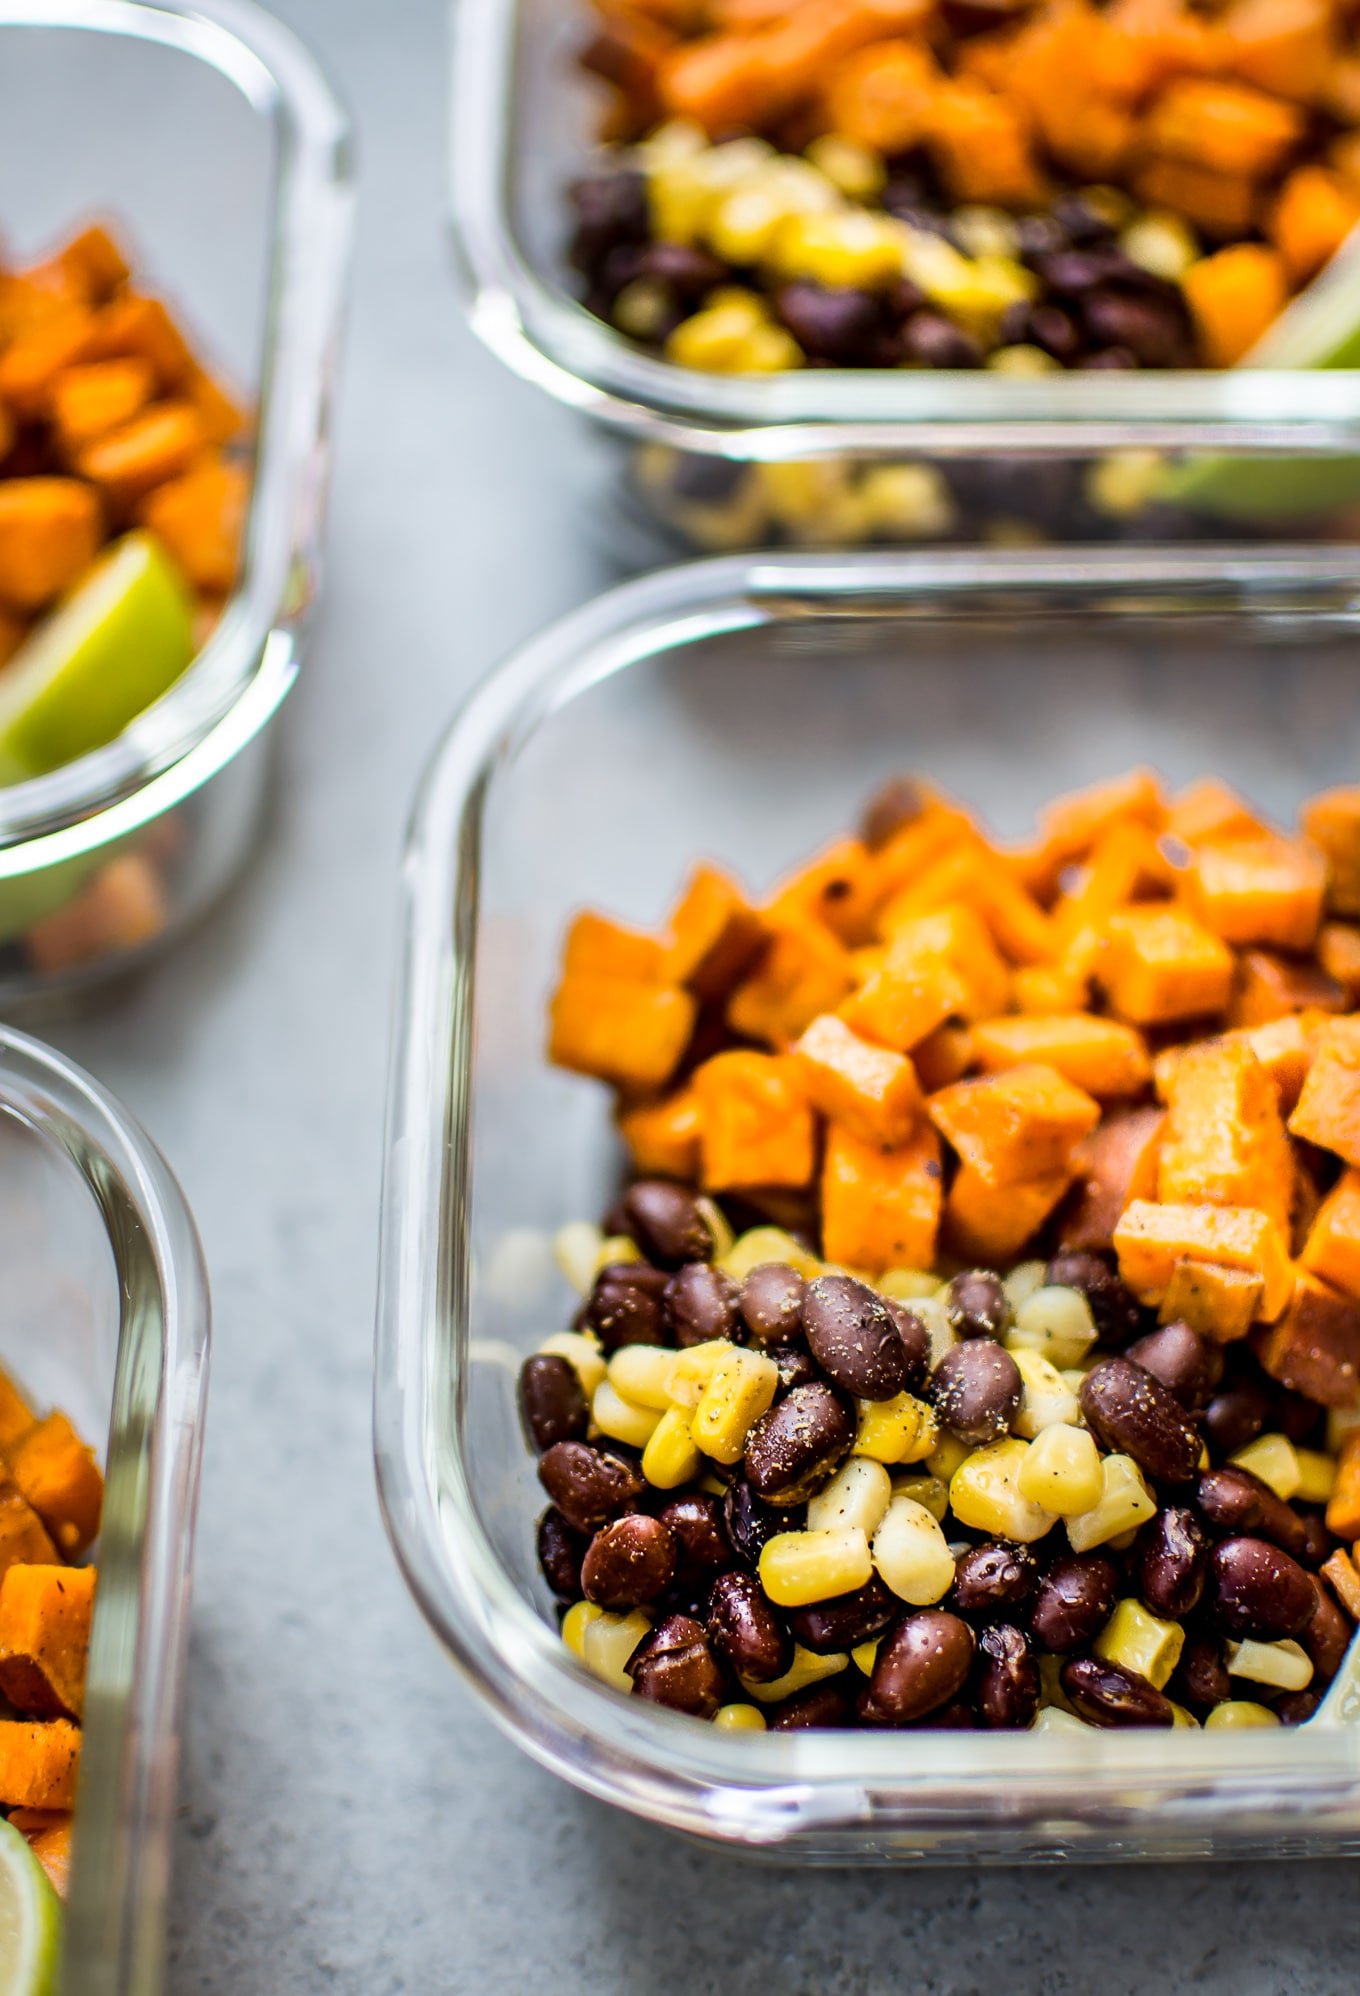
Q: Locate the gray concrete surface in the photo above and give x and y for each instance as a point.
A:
(350, 1821)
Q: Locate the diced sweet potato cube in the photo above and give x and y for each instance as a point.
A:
(39, 1763)
(916, 845)
(1332, 821)
(94, 259)
(664, 1138)
(939, 966)
(597, 947)
(219, 413)
(122, 908)
(24, 1538)
(881, 1208)
(1270, 987)
(1022, 1124)
(1116, 1164)
(49, 534)
(16, 1415)
(98, 396)
(620, 1029)
(1103, 1056)
(159, 444)
(756, 1122)
(1285, 46)
(1051, 987)
(50, 1842)
(839, 889)
(1125, 862)
(882, 97)
(1210, 809)
(38, 353)
(1219, 1303)
(1332, 1249)
(1225, 1141)
(1223, 205)
(1341, 1571)
(943, 1056)
(1328, 1109)
(1338, 951)
(1227, 127)
(1343, 1506)
(990, 1226)
(803, 972)
(1151, 1238)
(1314, 214)
(1285, 1050)
(715, 934)
(1315, 1347)
(871, 1091)
(981, 144)
(59, 1476)
(1163, 964)
(201, 518)
(971, 876)
(1071, 825)
(45, 1614)
(1260, 890)
(134, 324)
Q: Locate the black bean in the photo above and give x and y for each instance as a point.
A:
(625, 1306)
(976, 1390)
(745, 1630)
(899, 802)
(1105, 1694)
(1055, 331)
(702, 1547)
(1258, 1590)
(560, 1552)
(630, 1562)
(750, 1522)
(666, 1222)
(674, 1666)
(934, 341)
(915, 1342)
(1114, 1308)
(772, 1303)
(1073, 273)
(611, 209)
(551, 1401)
(588, 1485)
(690, 272)
(1039, 235)
(977, 1305)
(842, 326)
(1235, 1417)
(845, 1621)
(1007, 1678)
(1236, 1502)
(1296, 1416)
(1201, 1678)
(993, 1579)
(1317, 1540)
(1108, 360)
(1187, 1364)
(1075, 1599)
(699, 479)
(797, 1366)
(1297, 1707)
(1172, 1562)
(853, 1337)
(1080, 223)
(1153, 330)
(820, 1707)
(1131, 1412)
(958, 1716)
(701, 1304)
(921, 1664)
(1327, 1636)
(792, 1450)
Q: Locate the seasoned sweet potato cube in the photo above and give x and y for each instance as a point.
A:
(597, 947)
(133, 324)
(1260, 890)
(90, 399)
(1151, 1238)
(1338, 951)
(915, 846)
(881, 1208)
(16, 1415)
(1103, 1056)
(1328, 1109)
(620, 1029)
(715, 935)
(59, 1476)
(1225, 1141)
(24, 1539)
(219, 413)
(970, 875)
(1125, 865)
(201, 517)
(1219, 1303)
(1283, 1046)
(1210, 809)
(1269, 986)
(1315, 1347)
(38, 353)
(1223, 205)
(1227, 127)
(45, 1614)
(1343, 1506)
(1022, 1124)
(1285, 46)
(1332, 1249)
(1332, 821)
(664, 1138)
(160, 443)
(94, 260)
(943, 1056)
(804, 971)
(50, 531)
(990, 1226)
(939, 966)
(1163, 964)
(1115, 1164)
(39, 1763)
(1071, 825)
(1051, 987)
(839, 889)
(756, 1121)
(871, 1091)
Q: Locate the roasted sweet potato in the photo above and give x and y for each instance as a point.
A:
(1284, 46)
(1224, 127)
(159, 444)
(1314, 213)
(1023, 1124)
(803, 972)
(620, 1029)
(943, 1056)
(1210, 809)
(1269, 987)
(715, 935)
(1225, 1141)
(1162, 964)
(1070, 826)
(840, 889)
(1332, 1249)
(1328, 1109)
(1219, 1303)
(881, 1207)
(871, 1091)
(664, 1138)
(939, 966)
(49, 1834)
(45, 1614)
(990, 1226)
(16, 1415)
(1103, 1056)
(1315, 1347)
(39, 1763)
(1263, 890)
(50, 530)
(757, 1125)
(59, 1476)
(1116, 1164)
(23, 1536)
(1332, 821)
(88, 400)
(1234, 296)
(1338, 951)
(1343, 1506)
(1152, 1237)
(200, 517)
(597, 947)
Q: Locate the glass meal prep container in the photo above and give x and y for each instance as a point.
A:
(208, 138)
(737, 710)
(105, 1314)
(685, 460)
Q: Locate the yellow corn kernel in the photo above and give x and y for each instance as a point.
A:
(1023, 1280)
(1125, 1502)
(1285, 1665)
(761, 1244)
(981, 231)
(1022, 360)
(609, 1641)
(857, 1495)
(683, 189)
(799, 490)
(581, 1350)
(670, 1457)
(742, 1388)
(1055, 1321)
(1050, 1683)
(739, 1719)
(1141, 1642)
(1125, 482)
(798, 1568)
(716, 339)
(1058, 1719)
(904, 1285)
(910, 1555)
(906, 502)
(984, 1493)
(933, 1312)
(575, 1622)
(1180, 1717)
(922, 1488)
(1061, 1471)
(1234, 1713)
(619, 1418)
(1046, 1400)
(718, 1224)
(903, 1429)
(849, 166)
(1161, 243)
(692, 1369)
(1073, 1378)
(1317, 1475)
(1273, 1459)
(806, 1669)
(1340, 1421)
(769, 350)
(713, 1486)
(576, 1250)
(744, 225)
(850, 247)
(678, 138)
(865, 1655)
(641, 1373)
(946, 1457)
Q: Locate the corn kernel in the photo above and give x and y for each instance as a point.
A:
(1047, 1400)
(670, 1457)
(946, 1456)
(641, 1373)
(805, 1670)
(798, 1568)
(692, 1369)
(980, 231)
(742, 1388)
(1125, 1503)
(770, 350)
(1125, 482)
(798, 490)
(620, 1419)
(922, 1488)
(735, 522)
(984, 1493)
(614, 1248)
(761, 1244)
(739, 1719)
(865, 1655)
(643, 309)
(1272, 1458)
(1018, 360)
(1340, 1421)
(1141, 1642)
(1286, 1666)
(609, 1641)
(576, 1249)
(1073, 1378)
(1057, 1719)
(902, 1429)
(1050, 1683)
(910, 1555)
(717, 339)
(1023, 1280)
(851, 247)
(904, 1285)
(1235, 1713)
(1061, 1471)
(1160, 243)
(933, 1312)
(678, 138)
(581, 1350)
(852, 168)
(906, 502)
(575, 1622)
(1317, 1475)
(1055, 1321)
(1180, 1717)
(718, 1224)
(857, 1495)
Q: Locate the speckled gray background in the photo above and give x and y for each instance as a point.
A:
(350, 1822)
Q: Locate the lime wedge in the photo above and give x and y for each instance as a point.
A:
(113, 646)
(30, 1921)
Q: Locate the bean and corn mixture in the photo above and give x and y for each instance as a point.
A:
(977, 1342)
(965, 183)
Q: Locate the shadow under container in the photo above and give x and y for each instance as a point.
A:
(686, 461)
(104, 1313)
(209, 140)
(743, 711)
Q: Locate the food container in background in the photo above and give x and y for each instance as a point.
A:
(838, 457)
(105, 1315)
(737, 709)
(207, 137)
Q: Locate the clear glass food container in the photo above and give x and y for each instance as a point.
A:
(743, 710)
(104, 1313)
(208, 137)
(686, 460)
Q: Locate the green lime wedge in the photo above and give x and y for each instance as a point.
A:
(113, 646)
(30, 1921)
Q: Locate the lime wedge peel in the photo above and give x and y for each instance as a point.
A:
(30, 1921)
